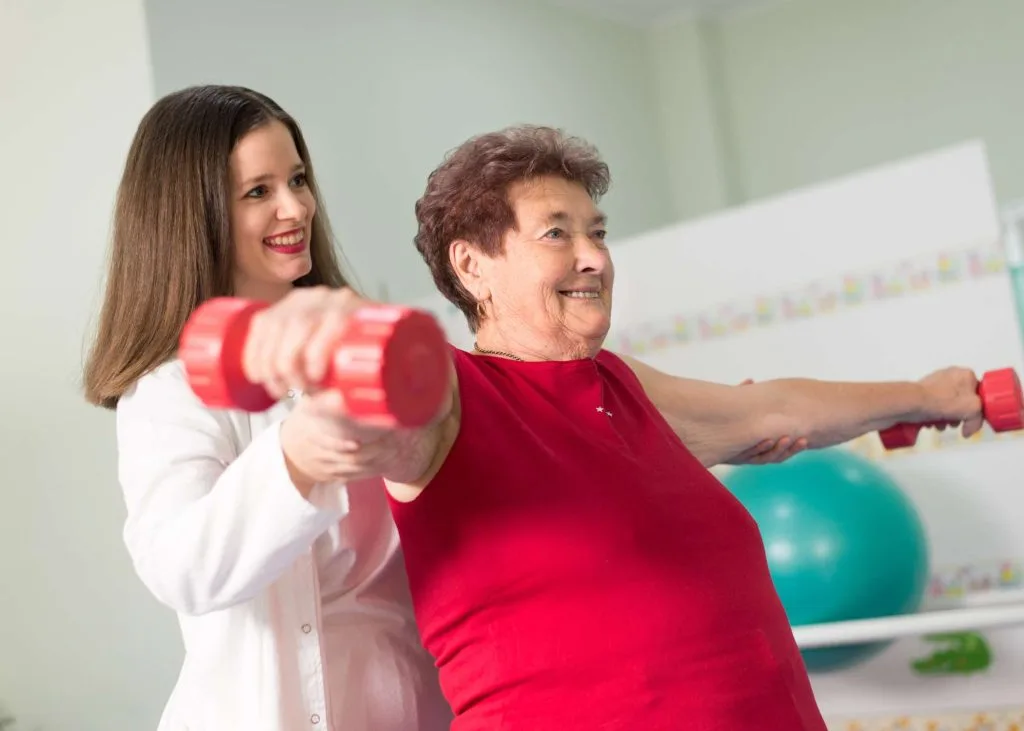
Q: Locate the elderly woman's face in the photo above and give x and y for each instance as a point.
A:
(554, 279)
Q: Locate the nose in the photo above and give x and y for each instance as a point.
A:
(591, 255)
(291, 208)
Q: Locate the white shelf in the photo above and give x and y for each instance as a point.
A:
(911, 625)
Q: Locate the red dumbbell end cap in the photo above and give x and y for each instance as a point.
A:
(392, 366)
(211, 348)
(899, 436)
(1002, 400)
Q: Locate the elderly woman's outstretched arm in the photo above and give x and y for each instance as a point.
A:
(718, 422)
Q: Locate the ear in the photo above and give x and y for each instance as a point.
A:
(467, 263)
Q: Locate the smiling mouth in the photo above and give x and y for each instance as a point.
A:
(580, 294)
(291, 238)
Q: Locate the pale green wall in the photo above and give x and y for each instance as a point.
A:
(384, 89)
(693, 116)
(808, 90)
(83, 646)
(694, 130)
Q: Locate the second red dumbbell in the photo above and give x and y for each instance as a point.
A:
(392, 365)
(1002, 404)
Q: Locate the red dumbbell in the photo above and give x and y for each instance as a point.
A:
(392, 364)
(1002, 403)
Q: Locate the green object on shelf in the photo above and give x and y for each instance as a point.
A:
(964, 653)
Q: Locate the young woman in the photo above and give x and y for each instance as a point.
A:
(283, 567)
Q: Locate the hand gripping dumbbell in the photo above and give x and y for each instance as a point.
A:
(391, 364)
(1002, 405)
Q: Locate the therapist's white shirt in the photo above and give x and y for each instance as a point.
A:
(295, 613)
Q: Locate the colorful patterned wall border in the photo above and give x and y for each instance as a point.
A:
(956, 582)
(821, 297)
(1010, 719)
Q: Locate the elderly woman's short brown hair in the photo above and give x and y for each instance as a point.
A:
(467, 195)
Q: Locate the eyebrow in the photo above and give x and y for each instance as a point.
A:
(562, 217)
(253, 182)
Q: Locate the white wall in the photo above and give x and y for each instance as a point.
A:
(383, 89)
(82, 647)
(808, 90)
(693, 126)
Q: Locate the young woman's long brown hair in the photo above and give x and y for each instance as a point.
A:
(171, 247)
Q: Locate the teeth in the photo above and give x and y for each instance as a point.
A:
(583, 295)
(289, 240)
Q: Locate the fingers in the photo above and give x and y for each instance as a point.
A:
(284, 356)
(291, 343)
(335, 430)
(973, 425)
(320, 345)
(327, 403)
(269, 353)
(772, 452)
(953, 401)
(784, 449)
(254, 352)
(288, 352)
(354, 459)
(327, 452)
(747, 455)
(974, 414)
(781, 448)
(977, 419)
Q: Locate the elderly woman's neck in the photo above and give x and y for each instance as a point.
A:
(533, 348)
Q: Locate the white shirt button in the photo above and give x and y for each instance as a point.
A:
(314, 719)
(306, 629)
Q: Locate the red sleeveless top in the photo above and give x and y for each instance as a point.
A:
(574, 567)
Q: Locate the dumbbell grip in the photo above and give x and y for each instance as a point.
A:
(1002, 406)
(391, 364)
(905, 434)
(392, 367)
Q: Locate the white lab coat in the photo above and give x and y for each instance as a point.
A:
(217, 531)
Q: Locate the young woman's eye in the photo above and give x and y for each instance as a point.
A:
(258, 192)
(299, 180)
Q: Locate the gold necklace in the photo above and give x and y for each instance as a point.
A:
(478, 349)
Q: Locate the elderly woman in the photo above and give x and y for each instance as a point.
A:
(573, 563)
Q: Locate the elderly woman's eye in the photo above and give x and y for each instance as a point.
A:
(555, 233)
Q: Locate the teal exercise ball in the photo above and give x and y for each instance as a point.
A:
(843, 542)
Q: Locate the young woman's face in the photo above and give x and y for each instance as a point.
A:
(272, 211)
